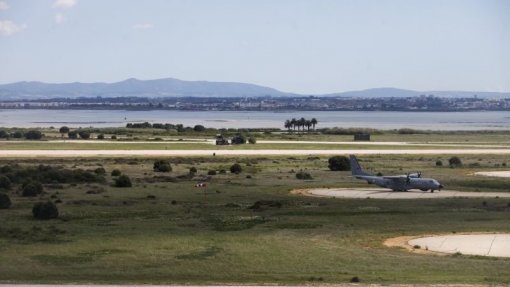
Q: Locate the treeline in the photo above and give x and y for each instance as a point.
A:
(300, 124)
(29, 135)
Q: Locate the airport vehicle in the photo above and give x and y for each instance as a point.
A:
(396, 183)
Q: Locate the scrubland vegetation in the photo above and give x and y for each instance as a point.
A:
(243, 226)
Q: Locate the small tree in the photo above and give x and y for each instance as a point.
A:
(236, 168)
(100, 171)
(100, 136)
(84, 134)
(33, 135)
(5, 182)
(199, 128)
(45, 210)
(72, 135)
(64, 130)
(31, 188)
(17, 134)
(239, 139)
(4, 134)
(252, 140)
(5, 201)
(116, 172)
(123, 181)
(439, 162)
(339, 163)
(162, 166)
(454, 162)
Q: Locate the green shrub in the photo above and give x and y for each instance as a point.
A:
(339, 163)
(123, 181)
(100, 171)
(17, 134)
(116, 172)
(199, 128)
(100, 136)
(64, 130)
(45, 210)
(31, 189)
(303, 175)
(4, 134)
(33, 135)
(193, 170)
(211, 172)
(252, 140)
(84, 134)
(5, 201)
(5, 182)
(162, 166)
(236, 168)
(72, 135)
(238, 139)
(114, 137)
(455, 162)
(439, 163)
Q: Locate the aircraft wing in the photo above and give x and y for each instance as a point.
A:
(396, 179)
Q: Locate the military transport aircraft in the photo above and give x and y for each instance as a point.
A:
(397, 182)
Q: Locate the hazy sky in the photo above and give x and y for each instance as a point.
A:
(313, 46)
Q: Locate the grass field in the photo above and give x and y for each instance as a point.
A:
(164, 230)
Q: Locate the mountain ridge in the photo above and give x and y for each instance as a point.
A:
(171, 87)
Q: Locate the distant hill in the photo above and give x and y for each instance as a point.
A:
(401, 93)
(132, 87)
(169, 87)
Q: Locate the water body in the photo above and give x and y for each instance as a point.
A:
(242, 119)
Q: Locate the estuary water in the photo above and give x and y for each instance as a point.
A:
(241, 119)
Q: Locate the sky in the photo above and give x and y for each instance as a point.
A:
(307, 47)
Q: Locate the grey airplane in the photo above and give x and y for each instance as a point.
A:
(397, 182)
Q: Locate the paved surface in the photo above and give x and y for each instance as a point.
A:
(235, 152)
(379, 193)
(469, 244)
(505, 173)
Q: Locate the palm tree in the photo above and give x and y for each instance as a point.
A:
(302, 122)
(314, 122)
(293, 122)
(287, 124)
(308, 124)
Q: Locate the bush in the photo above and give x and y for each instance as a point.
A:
(303, 175)
(211, 172)
(123, 181)
(45, 210)
(193, 170)
(115, 172)
(454, 162)
(162, 166)
(100, 136)
(33, 135)
(4, 134)
(199, 128)
(5, 182)
(64, 130)
(5, 201)
(100, 171)
(238, 139)
(236, 168)
(439, 163)
(114, 137)
(31, 189)
(337, 163)
(252, 140)
(84, 134)
(72, 135)
(17, 134)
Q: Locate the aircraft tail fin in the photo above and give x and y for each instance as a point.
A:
(355, 167)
